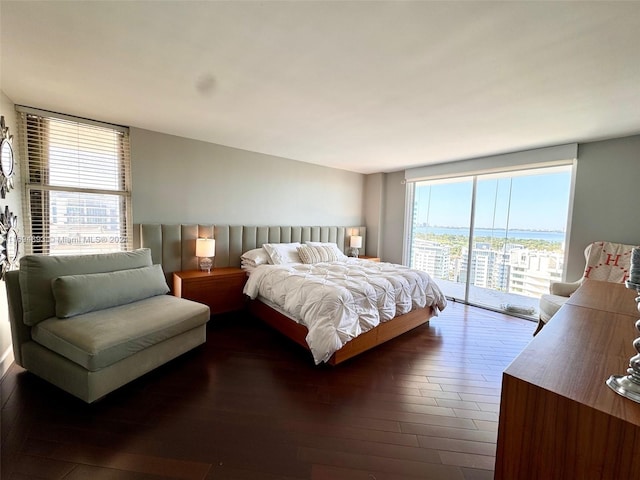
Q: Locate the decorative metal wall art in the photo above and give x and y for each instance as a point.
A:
(9, 244)
(7, 163)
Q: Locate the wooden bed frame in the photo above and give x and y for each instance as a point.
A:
(173, 246)
(376, 336)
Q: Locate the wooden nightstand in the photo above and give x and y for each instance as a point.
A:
(221, 289)
(371, 259)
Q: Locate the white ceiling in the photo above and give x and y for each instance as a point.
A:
(362, 86)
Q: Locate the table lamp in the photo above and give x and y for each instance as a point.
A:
(355, 243)
(205, 249)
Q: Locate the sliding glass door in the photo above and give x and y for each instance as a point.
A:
(441, 231)
(493, 240)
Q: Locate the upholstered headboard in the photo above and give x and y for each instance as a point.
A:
(174, 245)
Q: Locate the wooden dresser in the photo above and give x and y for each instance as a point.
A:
(558, 418)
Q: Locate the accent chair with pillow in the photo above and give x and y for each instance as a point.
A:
(605, 261)
(92, 323)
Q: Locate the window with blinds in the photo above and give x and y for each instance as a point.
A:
(77, 184)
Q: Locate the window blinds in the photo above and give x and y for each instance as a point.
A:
(77, 184)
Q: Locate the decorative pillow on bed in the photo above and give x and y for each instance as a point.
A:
(255, 257)
(280, 253)
(317, 254)
(334, 247)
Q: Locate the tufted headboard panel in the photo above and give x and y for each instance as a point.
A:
(174, 245)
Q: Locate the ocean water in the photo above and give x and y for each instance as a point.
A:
(496, 233)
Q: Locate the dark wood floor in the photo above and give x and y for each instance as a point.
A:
(251, 405)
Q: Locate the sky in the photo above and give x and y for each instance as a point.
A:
(533, 201)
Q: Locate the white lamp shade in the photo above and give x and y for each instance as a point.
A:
(205, 247)
(356, 241)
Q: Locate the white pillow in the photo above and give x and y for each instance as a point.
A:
(282, 252)
(334, 246)
(257, 256)
(316, 254)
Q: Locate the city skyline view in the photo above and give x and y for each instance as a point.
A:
(532, 200)
(516, 247)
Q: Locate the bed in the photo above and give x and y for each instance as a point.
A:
(173, 246)
(333, 305)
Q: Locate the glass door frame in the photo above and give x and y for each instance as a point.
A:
(410, 205)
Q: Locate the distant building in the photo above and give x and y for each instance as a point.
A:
(83, 223)
(532, 271)
(514, 270)
(488, 269)
(431, 257)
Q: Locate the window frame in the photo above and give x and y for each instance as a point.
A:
(412, 180)
(36, 170)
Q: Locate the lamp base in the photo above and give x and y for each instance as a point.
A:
(629, 385)
(354, 252)
(626, 385)
(206, 264)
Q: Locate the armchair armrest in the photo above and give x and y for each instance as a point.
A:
(564, 289)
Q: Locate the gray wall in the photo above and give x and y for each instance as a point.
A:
(373, 212)
(606, 205)
(393, 215)
(14, 201)
(178, 180)
(605, 202)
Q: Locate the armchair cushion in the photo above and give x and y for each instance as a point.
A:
(549, 305)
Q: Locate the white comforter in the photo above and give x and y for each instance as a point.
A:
(337, 301)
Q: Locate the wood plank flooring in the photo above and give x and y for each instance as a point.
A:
(250, 404)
